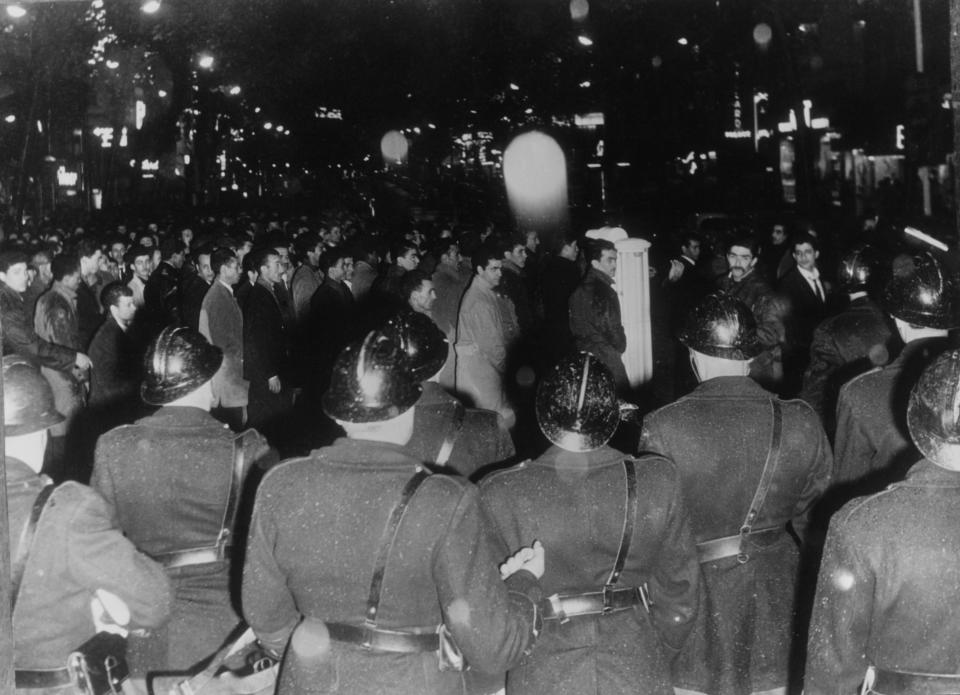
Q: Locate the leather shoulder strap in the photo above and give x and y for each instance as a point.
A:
(237, 475)
(769, 468)
(629, 520)
(27, 535)
(386, 545)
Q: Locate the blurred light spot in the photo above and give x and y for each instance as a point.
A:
(843, 580)
(579, 9)
(459, 612)
(762, 34)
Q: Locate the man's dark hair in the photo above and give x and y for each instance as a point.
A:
(220, 257)
(9, 258)
(805, 239)
(135, 252)
(305, 243)
(332, 255)
(746, 240)
(412, 281)
(443, 246)
(171, 247)
(401, 249)
(258, 258)
(483, 255)
(688, 237)
(86, 247)
(64, 264)
(110, 295)
(508, 242)
(596, 247)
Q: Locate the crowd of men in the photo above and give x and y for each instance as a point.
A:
(325, 433)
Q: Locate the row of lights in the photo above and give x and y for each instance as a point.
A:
(16, 11)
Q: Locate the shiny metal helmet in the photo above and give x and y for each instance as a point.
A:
(933, 414)
(858, 267)
(178, 361)
(576, 406)
(27, 398)
(421, 342)
(370, 382)
(923, 292)
(721, 326)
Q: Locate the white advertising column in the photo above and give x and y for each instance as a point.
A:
(633, 289)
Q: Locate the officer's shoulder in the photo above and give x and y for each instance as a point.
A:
(503, 476)
(288, 472)
(651, 464)
(864, 512)
(859, 383)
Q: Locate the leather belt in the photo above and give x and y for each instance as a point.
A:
(563, 607)
(42, 678)
(378, 639)
(197, 556)
(730, 546)
(906, 683)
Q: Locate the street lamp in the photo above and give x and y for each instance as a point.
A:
(585, 40)
(205, 61)
(150, 6)
(16, 11)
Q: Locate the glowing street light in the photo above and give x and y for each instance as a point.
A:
(205, 61)
(112, 64)
(10, 119)
(150, 6)
(682, 41)
(268, 126)
(16, 11)
(585, 40)
(234, 90)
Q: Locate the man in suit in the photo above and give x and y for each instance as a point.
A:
(221, 322)
(331, 311)
(266, 347)
(807, 296)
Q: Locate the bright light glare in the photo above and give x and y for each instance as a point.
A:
(535, 174)
(162, 93)
(205, 61)
(268, 126)
(235, 90)
(682, 41)
(394, 147)
(150, 6)
(585, 40)
(112, 64)
(10, 119)
(16, 11)
(515, 87)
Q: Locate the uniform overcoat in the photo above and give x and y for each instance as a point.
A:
(168, 476)
(872, 446)
(77, 549)
(888, 595)
(574, 504)
(314, 540)
(476, 437)
(719, 436)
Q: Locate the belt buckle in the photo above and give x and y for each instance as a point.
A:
(742, 557)
(607, 608)
(366, 641)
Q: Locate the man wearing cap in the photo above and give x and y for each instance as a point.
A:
(873, 447)
(445, 432)
(887, 609)
(174, 480)
(623, 581)
(360, 536)
(68, 556)
(751, 465)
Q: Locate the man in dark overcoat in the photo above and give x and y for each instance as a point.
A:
(590, 505)
(445, 432)
(857, 339)
(750, 464)
(888, 598)
(872, 446)
(77, 555)
(169, 477)
(595, 312)
(323, 547)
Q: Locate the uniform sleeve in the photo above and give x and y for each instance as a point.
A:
(824, 360)
(101, 557)
(268, 604)
(675, 582)
(492, 622)
(842, 613)
(770, 312)
(818, 479)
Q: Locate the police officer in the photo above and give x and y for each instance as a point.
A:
(872, 445)
(888, 595)
(445, 432)
(174, 479)
(622, 569)
(852, 342)
(67, 554)
(750, 464)
(400, 565)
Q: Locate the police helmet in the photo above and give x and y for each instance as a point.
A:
(576, 406)
(27, 398)
(370, 382)
(858, 268)
(933, 414)
(178, 361)
(721, 326)
(923, 292)
(422, 343)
